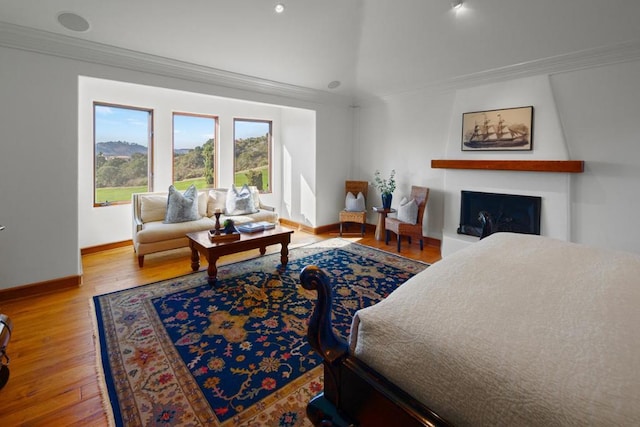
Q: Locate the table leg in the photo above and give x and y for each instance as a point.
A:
(195, 259)
(380, 230)
(263, 250)
(212, 271)
(284, 255)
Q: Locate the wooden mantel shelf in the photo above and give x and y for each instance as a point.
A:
(568, 166)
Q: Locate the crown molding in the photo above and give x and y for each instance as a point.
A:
(29, 39)
(588, 58)
(628, 51)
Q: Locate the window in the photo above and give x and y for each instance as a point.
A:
(122, 144)
(194, 150)
(252, 153)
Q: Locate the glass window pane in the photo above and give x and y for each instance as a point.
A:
(122, 137)
(252, 153)
(194, 150)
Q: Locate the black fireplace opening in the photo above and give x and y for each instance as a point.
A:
(482, 214)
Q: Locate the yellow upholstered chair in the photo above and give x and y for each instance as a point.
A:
(402, 228)
(359, 217)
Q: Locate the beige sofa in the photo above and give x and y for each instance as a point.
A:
(151, 234)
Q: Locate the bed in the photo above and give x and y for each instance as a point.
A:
(514, 330)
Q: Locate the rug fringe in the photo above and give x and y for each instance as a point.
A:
(102, 386)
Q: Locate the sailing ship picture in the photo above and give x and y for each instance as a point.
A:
(507, 129)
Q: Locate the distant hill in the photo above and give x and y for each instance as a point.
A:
(120, 148)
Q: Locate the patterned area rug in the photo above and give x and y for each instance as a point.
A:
(178, 352)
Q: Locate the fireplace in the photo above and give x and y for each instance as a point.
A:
(482, 214)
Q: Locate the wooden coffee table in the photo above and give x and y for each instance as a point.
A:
(200, 243)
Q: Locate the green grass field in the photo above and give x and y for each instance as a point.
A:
(123, 194)
(240, 178)
(117, 194)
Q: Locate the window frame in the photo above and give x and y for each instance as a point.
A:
(269, 151)
(216, 133)
(150, 166)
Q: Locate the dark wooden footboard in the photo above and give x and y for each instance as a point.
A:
(354, 394)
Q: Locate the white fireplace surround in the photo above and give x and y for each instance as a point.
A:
(548, 144)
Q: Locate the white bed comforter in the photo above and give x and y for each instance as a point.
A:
(515, 330)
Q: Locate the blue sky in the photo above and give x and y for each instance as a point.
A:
(119, 124)
(249, 129)
(191, 131)
(123, 124)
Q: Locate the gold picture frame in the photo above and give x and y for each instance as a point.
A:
(509, 129)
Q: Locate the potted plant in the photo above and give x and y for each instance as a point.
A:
(229, 226)
(386, 187)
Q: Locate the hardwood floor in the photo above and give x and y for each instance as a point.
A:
(53, 358)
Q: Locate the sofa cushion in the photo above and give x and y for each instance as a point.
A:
(255, 194)
(182, 207)
(203, 199)
(217, 200)
(153, 207)
(261, 215)
(158, 231)
(239, 202)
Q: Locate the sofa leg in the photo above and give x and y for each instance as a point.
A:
(387, 235)
(399, 240)
(421, 244)
(340, 229)
(362, 230)
(140, 260)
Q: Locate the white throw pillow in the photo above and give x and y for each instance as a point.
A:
(203, 199)
(217, 200)
(408, 211)
(354, 204)
(239, 202)
(255, 194)
(153, 207)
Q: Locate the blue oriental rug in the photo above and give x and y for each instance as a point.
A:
(178, 352)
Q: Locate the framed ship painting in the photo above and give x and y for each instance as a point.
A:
(508, 129)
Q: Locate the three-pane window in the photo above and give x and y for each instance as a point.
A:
(123, 144)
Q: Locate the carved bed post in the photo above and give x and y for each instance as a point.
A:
(354, 394)
(322, 409)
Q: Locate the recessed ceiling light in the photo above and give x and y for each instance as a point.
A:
(456, 4)
(73, 22)
(334, 84)
(279, 8)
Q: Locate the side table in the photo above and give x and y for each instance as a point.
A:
(382, 214)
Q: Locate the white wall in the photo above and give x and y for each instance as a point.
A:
(600, 112)
(40, 181)
(298, 166)
(333, 163)
(589, 115)
(404, 132)
(38, 172)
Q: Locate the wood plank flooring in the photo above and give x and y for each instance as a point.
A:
(53, 363)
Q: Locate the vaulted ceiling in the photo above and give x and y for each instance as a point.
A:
(373, 47)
